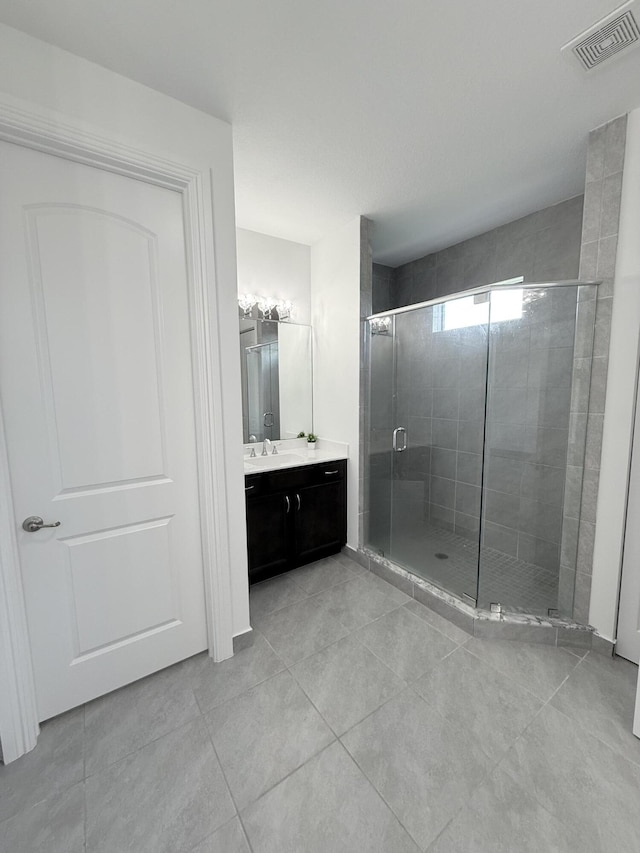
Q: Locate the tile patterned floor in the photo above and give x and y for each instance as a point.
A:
(516, 584)
(358, 722)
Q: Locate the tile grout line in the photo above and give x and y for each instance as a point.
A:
(510, 677)
(138, 749)
(493, 767)
(587, 731)
(336, 735)
(289, 573)
(335, 738)
(439, 630)
(289, 774)
(379, 793)
(349, 630)
(226, 782)
(521, 735)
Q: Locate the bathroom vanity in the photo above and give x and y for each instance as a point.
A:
(296, 513)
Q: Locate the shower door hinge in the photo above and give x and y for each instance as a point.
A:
(495, 607)
(555, 614)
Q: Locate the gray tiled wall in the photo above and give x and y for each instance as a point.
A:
(605, 160)
(543, 246)
(382, 287)
(528, 412)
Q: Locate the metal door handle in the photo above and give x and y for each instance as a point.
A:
(330, 472)
(248, 488)
(395, 439)
(299, 502)
(34, 523)
(286, 497)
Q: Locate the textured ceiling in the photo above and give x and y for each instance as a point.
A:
(436, 119)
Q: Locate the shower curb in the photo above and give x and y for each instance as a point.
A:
(551, 631)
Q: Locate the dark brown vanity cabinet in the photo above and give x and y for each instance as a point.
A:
(295, 516)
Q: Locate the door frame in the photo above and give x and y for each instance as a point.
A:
(50, 132)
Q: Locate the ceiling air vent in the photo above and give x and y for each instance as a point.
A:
(618, 31)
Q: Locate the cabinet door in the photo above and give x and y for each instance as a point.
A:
(320, 521)
(268, 535)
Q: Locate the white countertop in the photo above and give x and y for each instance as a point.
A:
(293, 453)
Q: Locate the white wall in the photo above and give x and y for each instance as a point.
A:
(335, 317)
(270, 266)
(45, 76)
(295, 379)
(620, 401)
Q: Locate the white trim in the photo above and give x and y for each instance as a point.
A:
(617, 436)
(18, 714)
(46, 131)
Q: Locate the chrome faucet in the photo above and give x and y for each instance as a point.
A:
(266, 443)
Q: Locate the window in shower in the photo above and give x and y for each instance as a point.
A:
(462, 313)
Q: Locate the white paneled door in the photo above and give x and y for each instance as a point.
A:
(97, 394)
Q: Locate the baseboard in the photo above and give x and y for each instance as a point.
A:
(243, 641)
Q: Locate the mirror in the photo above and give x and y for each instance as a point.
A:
(276, 366)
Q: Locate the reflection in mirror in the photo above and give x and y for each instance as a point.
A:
(276, 365)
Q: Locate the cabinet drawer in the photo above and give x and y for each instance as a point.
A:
(327, 472)
(307, 475)
(294, 478)
(253, 485)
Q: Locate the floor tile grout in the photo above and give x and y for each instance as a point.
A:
(226, 782)
(584, 729)
(509, 677)
(290, 773)
(146, 744)
(380, 794)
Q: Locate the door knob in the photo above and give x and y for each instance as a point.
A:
(34, 523)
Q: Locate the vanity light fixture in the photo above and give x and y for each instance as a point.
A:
(246, 301)
(284, 309)
(266, 304)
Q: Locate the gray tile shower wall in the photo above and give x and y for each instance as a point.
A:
(382, 287)
(605, 160)
(543, 246)
(528, 411)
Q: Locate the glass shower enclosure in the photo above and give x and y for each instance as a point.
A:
(475, 441)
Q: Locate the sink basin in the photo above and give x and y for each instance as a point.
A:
(280, 459)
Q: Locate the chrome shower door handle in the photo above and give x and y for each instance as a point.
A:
(396, 431)
(268, 419)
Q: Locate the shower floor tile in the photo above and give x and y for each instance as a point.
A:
(451, 562)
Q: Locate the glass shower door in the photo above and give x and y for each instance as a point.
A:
(439, 389)
(534, 450)
(381, 425)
